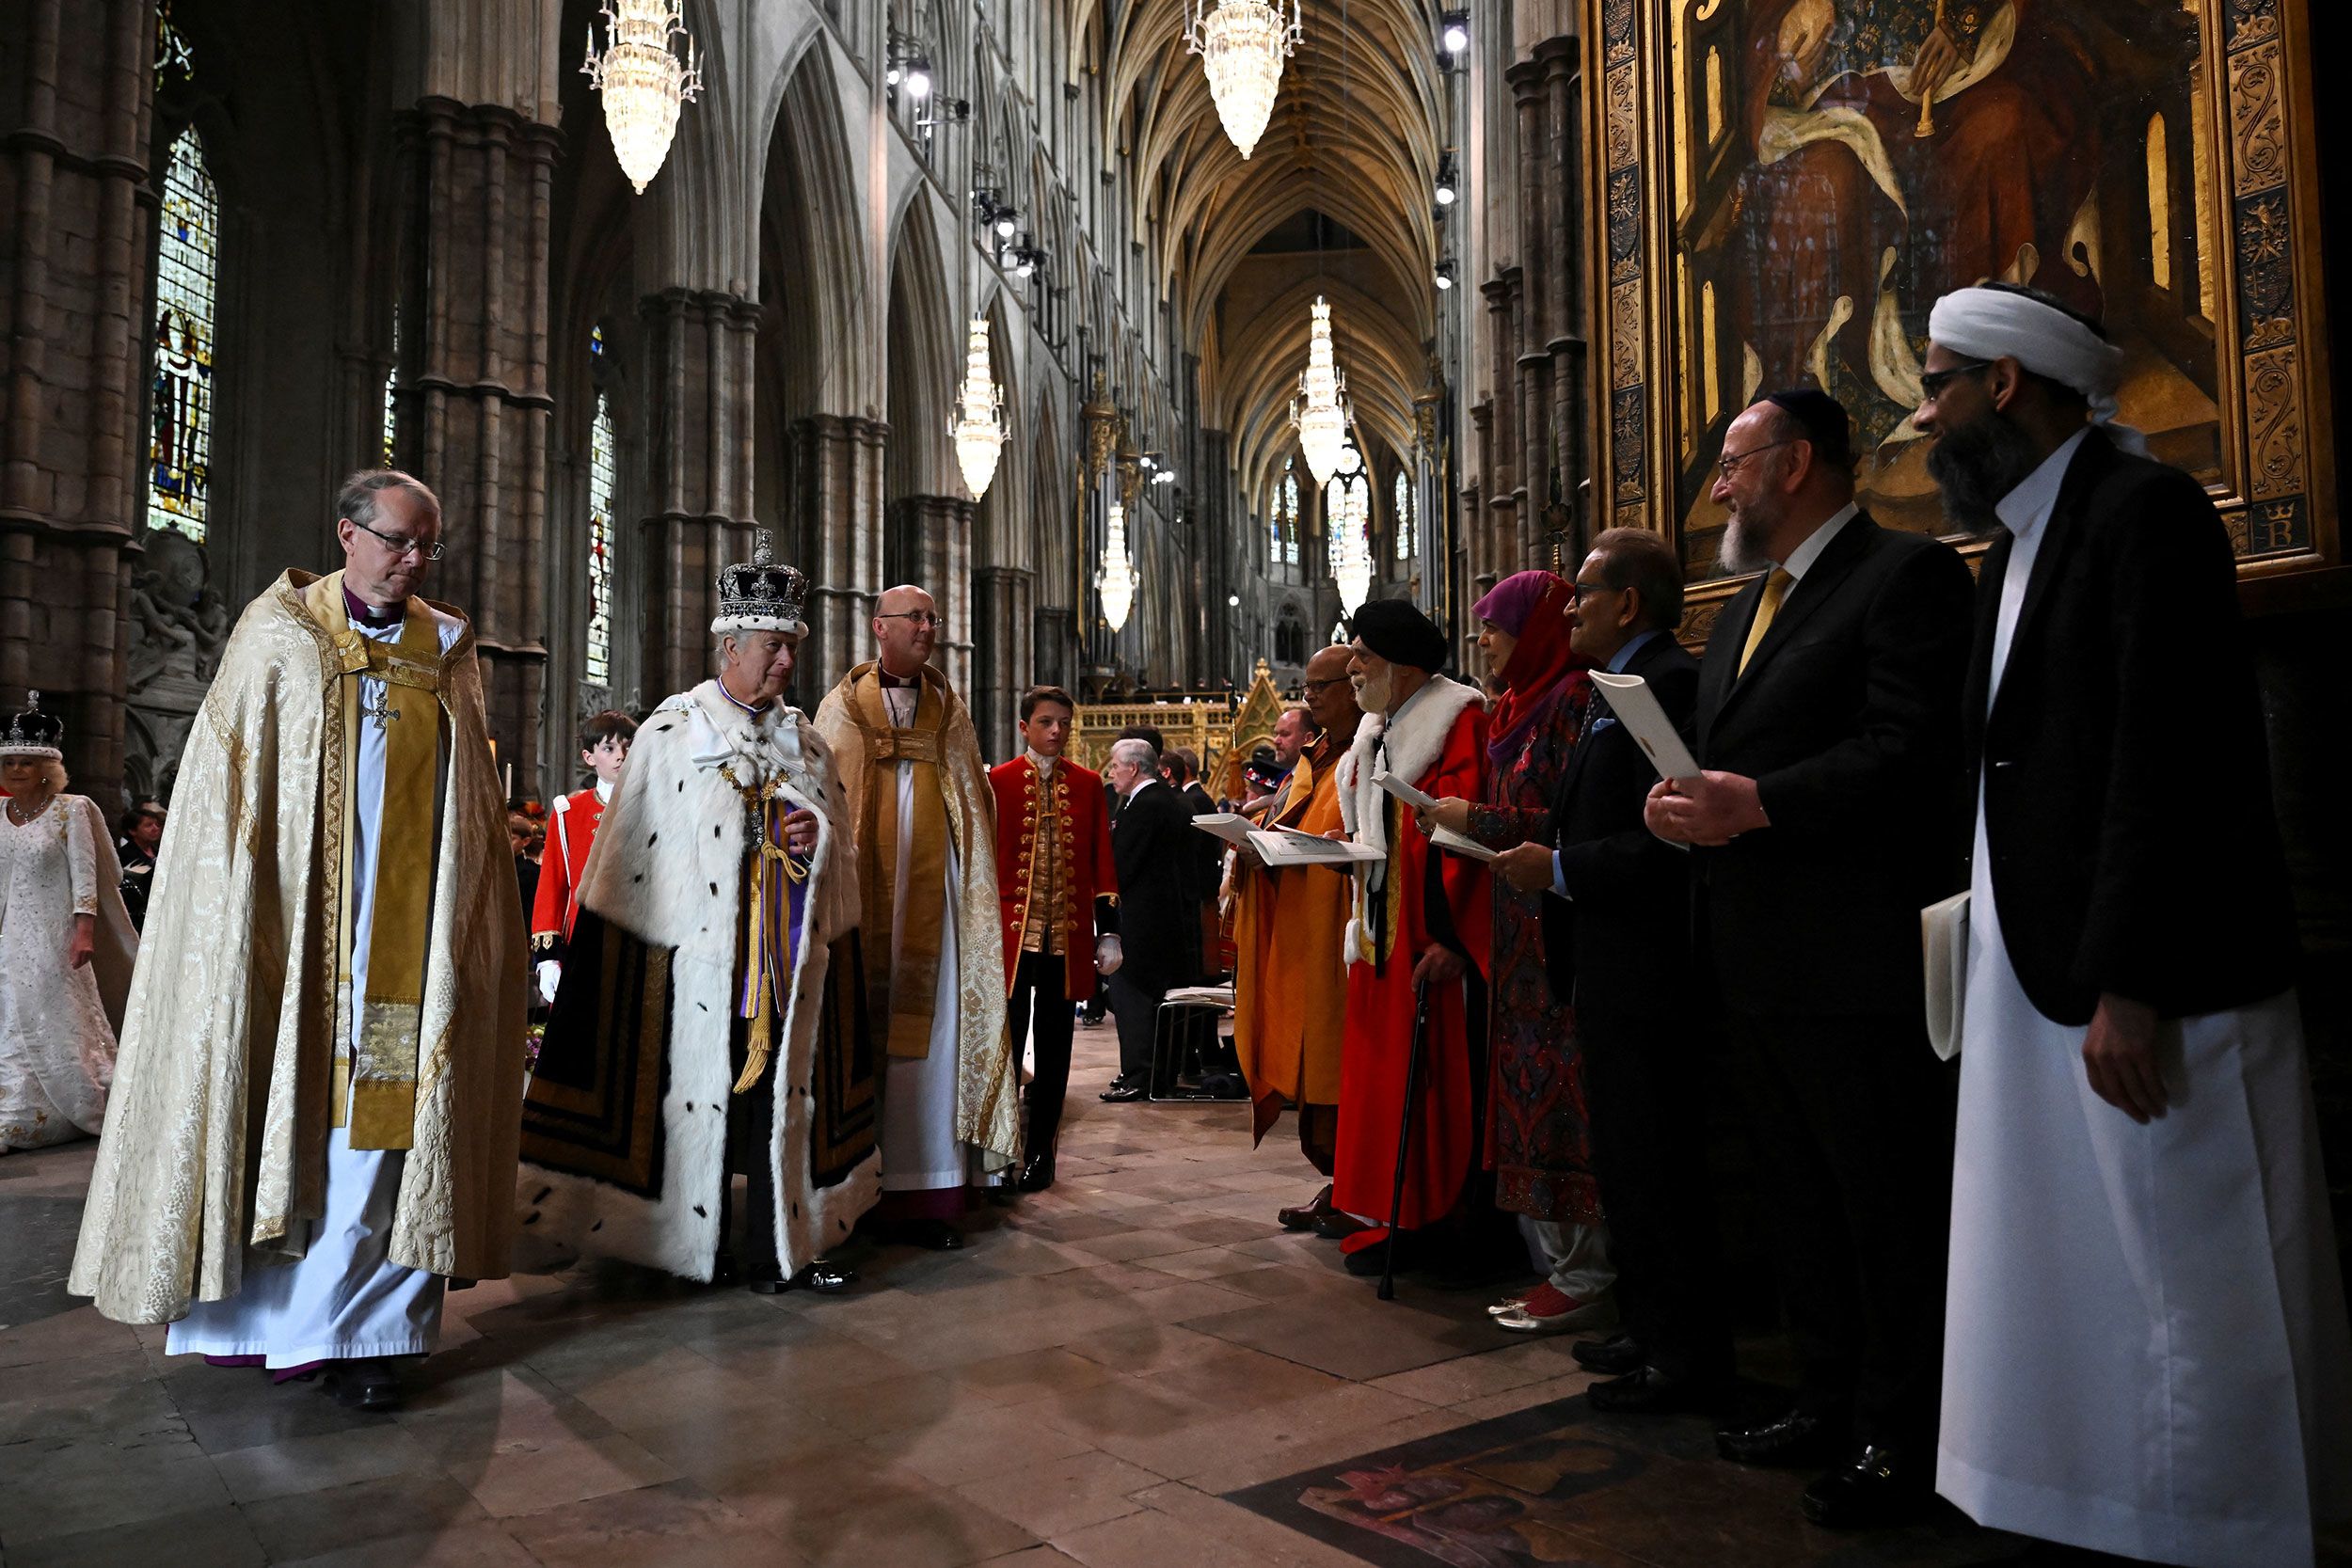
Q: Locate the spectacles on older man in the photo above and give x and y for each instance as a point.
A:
(429, 549)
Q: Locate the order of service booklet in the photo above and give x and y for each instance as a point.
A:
(1444, 838)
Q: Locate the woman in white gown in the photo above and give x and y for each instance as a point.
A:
(66, 945)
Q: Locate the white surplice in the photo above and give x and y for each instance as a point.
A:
(2145, 1347)
(919, 1148)
(342, 1298)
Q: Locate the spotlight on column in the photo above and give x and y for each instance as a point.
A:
(1453, 32)
(918, 78)
(1449, 189)
(1233, 601)
(1006, 226)
(1445, 273)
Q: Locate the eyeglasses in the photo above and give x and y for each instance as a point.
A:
(1582, 589)
(920, 617)
(1728, 464)
(393, 541)
(1932, 383)
(1313, 687)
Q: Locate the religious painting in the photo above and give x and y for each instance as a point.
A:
(1790, 184)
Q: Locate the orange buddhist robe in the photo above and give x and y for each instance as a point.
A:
(1290, 979)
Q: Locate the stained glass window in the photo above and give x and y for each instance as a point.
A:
(172, 60)
(599, 660)
(179, 449)
(1404, 516)
(1289, 513)
(391, 412)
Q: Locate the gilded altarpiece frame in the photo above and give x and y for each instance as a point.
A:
(1767, 179)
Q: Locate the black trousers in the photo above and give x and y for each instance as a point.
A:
(1137, 1010)
(1853, 1122)
(1040, 999)
(1644, 1083)
(750, 1127)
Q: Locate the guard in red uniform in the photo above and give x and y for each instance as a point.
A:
(1053, 865)
(571, 829)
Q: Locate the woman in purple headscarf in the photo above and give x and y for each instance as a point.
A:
(1538, 1137)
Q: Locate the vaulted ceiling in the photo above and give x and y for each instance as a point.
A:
(1353, 147)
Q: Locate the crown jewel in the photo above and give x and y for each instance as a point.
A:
(33, 733)
(763, 595)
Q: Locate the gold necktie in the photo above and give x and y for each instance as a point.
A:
(1775, 589)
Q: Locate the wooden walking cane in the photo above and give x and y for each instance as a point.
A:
(1404, 1133)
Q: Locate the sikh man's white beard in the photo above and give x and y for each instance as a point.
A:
(1740, 553)
(1371, 694)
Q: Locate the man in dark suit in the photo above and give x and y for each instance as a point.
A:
(1828, 737)
(1617, 945)
(2155, 1364)
(1149, 844)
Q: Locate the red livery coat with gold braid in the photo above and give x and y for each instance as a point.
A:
(1072, 805)
(571, 829)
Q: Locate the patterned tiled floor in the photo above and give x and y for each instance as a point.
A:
(1084, 1384)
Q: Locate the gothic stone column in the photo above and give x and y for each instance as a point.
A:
(74, 249)
(698, 453)
(834, 476)
(1003, 598)
(479, 180)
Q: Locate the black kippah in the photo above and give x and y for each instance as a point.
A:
(1822, 419)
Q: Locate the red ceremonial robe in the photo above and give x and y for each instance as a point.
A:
(571, 829)
(1439, 742)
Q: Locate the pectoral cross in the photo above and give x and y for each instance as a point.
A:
(381, 710)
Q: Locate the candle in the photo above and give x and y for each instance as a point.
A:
(510, 781)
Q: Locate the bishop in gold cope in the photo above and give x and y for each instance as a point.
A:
(314, 1113)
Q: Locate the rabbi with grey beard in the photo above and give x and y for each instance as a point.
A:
(1828, 737)
(2156, 1363)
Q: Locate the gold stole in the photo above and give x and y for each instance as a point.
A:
(903, 992)
(377, 1088)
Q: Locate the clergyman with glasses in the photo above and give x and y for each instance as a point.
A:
(314, 1123)
(925, 822)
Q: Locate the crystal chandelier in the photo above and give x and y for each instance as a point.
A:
(1345, 508)
(643, 81)
(1117, 579)
(978, 423)
(1322, 423)
(1242, 45)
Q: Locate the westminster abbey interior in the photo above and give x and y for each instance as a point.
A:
(1219, 376)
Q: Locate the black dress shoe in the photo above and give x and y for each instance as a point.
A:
(1038, 1173)
(1123, 1093)
(1304, 1216)
(1612, 1358)
(723, 1272)
(1337, 1225)
(1882, 1486)
(364, 1384)
(1649, 1392)
(1797, 1438)
(930, 1235)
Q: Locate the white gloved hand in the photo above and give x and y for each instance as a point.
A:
(551, 975)
(1108, 955)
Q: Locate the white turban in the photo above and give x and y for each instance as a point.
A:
(1996, 324)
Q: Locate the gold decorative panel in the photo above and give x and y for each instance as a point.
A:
(1780, 209)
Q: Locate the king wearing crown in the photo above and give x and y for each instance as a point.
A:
(710, 1021)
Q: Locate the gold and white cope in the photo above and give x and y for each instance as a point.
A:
(643, 79)
(978, 423)
(1117, 579)
(1242, 45)
(1346, 507)
(1320, 411)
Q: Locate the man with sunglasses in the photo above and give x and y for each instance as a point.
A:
(1827, 733)
(925, 821)
(314, 1115)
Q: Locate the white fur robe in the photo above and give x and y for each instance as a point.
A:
(666, 867)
